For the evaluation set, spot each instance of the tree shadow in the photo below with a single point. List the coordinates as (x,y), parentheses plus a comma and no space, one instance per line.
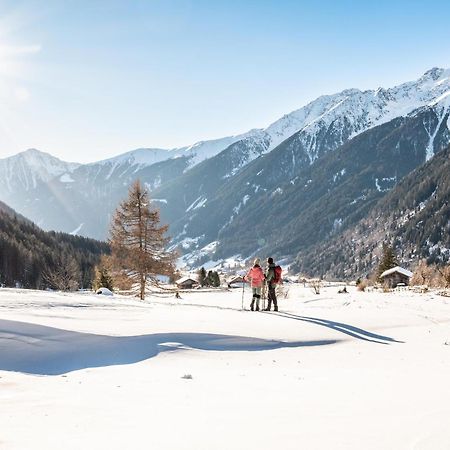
(41,350)
(350,330)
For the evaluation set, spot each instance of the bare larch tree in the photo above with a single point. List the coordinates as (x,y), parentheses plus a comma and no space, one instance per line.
(137,239)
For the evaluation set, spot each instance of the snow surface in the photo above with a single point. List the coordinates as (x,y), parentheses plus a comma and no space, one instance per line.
(66,178)
(103,291)
(331,371)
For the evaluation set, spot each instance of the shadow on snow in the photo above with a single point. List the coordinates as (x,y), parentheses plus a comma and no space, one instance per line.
(350,330)
(42,350)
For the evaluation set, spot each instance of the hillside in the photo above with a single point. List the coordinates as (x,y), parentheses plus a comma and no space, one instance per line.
(414,217)
(27,252)
(315,201)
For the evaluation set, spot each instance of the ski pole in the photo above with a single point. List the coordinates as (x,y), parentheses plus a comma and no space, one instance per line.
(263,296)
(242,300)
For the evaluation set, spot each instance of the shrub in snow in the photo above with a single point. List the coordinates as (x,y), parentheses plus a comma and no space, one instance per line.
(431,275)
(315,285)
(361,286)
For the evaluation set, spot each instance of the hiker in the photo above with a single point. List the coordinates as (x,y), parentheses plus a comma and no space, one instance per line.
(271,280)
(256,277)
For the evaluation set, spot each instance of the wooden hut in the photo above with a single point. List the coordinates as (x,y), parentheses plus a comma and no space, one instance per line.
(236,282)
(186,283)
(395,276)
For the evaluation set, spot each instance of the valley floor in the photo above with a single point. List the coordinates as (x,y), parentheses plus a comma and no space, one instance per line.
(330,371)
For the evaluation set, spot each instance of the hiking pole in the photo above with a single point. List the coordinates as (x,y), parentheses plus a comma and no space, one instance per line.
(263,299)
(242,300)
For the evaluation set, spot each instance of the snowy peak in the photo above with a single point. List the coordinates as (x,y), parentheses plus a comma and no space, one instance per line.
(207,149)
(198,152)
(353,111)
(434,74)
(27,168)
(139,157)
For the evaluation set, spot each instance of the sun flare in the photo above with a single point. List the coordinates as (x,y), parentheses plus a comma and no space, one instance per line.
(13,64)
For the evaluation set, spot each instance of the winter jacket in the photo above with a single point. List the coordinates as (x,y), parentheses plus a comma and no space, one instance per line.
(270,275)
(256,276)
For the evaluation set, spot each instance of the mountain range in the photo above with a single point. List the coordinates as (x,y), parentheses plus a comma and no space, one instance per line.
(284,190)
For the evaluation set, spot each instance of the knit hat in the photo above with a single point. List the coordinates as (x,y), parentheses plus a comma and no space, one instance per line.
(256,262)
(270,260)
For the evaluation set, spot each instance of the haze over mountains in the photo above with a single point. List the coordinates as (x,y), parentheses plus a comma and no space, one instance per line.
(284,190)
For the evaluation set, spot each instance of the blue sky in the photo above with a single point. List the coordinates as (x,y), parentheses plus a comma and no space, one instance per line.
(85,80)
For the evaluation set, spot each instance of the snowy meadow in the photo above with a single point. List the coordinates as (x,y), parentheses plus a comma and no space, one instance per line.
(343,371)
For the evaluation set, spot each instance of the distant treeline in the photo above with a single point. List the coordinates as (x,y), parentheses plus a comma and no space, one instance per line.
(29,255)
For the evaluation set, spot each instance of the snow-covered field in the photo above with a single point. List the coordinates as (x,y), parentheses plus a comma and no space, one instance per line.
(330,371)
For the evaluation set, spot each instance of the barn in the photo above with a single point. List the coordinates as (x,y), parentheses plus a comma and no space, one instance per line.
(395,276)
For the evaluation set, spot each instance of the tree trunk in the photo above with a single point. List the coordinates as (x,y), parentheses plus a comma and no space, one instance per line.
(142,291)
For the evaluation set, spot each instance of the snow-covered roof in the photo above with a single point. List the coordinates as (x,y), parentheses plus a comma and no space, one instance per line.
(397,269)
(184,279)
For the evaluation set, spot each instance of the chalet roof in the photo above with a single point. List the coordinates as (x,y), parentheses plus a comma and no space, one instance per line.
(236,279)
(184,279)
(397,269)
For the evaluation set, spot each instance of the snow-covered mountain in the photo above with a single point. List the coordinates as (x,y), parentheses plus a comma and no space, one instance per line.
(26,169)
(323,126)
(352,111)
(275,208)
(188,181)
(195,154)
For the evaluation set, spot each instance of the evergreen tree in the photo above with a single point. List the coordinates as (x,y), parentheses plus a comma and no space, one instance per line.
(138,241)
(102,279)
(212,279)
(216,279)
(388,260)
(202,277)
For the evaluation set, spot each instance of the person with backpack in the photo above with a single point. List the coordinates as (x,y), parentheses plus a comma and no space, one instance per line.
(273,277)
(256,277)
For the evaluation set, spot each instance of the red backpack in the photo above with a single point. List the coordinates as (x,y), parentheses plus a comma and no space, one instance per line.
(277,278)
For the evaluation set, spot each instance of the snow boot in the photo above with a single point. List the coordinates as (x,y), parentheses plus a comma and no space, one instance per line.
(252,305)
(275,308)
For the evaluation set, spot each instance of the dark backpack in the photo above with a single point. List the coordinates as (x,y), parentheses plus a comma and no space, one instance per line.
(277,275)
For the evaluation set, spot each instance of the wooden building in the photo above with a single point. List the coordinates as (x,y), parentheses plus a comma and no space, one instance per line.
(236,282)
(186,283)
(395,276)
